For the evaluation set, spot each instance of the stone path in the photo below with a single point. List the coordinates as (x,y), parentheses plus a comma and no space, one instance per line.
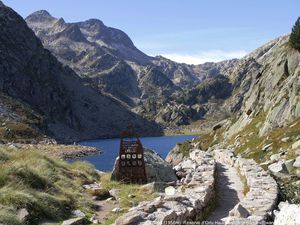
(229,191)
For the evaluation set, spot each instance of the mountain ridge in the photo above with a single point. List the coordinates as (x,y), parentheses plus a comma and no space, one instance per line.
(104,64)
(71,111)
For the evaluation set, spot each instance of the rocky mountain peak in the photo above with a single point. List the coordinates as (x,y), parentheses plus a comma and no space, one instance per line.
(96,30)
(40,15)
(1,4)
(94,22)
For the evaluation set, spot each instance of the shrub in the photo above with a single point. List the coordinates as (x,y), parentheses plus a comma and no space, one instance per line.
(295,36)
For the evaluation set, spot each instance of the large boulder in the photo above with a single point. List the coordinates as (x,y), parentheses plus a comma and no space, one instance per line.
(157,169)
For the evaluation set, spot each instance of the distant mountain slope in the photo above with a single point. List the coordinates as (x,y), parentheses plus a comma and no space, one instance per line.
(109,62)
(70,110)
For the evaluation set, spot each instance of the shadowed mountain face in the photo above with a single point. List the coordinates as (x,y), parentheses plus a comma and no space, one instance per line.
(109,62)
(32,75)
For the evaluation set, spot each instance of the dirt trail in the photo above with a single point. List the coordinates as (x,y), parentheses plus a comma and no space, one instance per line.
(103,209)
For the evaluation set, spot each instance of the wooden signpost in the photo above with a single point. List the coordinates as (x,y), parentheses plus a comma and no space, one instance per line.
(131,164)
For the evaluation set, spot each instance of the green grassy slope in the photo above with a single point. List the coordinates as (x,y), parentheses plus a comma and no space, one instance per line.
(48,188)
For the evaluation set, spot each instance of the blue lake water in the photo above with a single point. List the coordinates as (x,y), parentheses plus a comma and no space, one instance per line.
(110,148)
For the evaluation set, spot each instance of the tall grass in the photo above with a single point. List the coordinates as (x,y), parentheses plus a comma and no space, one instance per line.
(48,188)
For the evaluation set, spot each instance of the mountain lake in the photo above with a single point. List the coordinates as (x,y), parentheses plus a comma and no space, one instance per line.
(110,148)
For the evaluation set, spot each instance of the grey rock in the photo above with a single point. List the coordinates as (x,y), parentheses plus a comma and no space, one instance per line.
(114,192)
(275,157)
(117,210)
(277,167)
(267,147)
(22,215)
(75,221)
(93,186)
(130,218)
(78,213)
(157,169)
(239,211)
(110,199)
(297,152)
(285,139)
(289,165)
(296,144)
(297,162)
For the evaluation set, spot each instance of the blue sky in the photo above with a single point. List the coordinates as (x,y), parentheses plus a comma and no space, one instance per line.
(191,31)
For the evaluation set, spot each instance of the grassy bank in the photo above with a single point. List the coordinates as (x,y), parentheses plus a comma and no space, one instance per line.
(49,189)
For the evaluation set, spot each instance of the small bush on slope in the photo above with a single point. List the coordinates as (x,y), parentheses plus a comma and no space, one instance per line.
(48,188)
(295,36)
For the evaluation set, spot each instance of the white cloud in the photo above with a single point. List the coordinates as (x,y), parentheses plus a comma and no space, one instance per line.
(206,56)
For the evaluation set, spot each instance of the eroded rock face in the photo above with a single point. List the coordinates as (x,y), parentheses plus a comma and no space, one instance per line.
(273,87)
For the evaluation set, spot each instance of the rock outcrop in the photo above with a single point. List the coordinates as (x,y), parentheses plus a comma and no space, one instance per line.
(271,86)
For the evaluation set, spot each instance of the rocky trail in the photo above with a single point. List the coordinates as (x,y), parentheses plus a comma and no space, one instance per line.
(229,192)
(204,178)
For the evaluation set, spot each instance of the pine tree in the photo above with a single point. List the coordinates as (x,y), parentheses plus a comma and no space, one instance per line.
(295,36)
